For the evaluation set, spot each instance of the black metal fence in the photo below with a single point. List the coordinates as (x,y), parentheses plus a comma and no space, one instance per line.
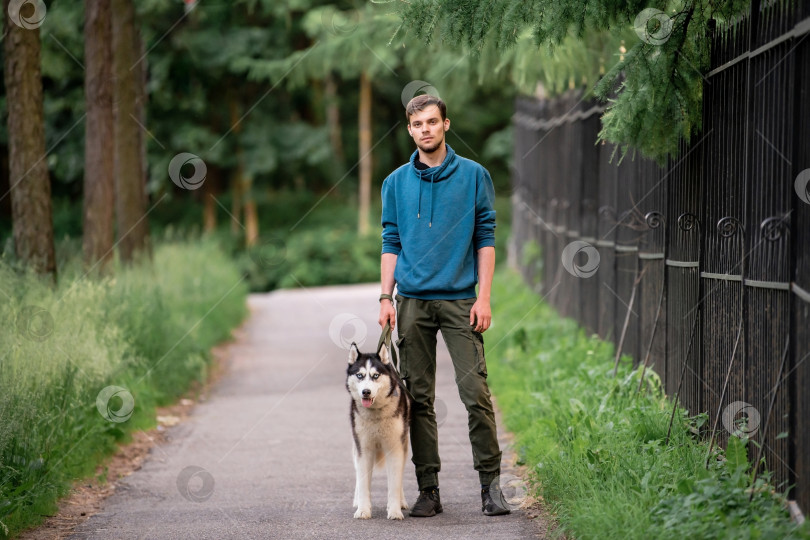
(702,266)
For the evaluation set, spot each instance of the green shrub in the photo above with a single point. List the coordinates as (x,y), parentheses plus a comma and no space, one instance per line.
(326,250)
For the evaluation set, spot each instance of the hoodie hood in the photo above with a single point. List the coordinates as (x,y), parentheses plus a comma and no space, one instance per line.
(432,175)
(438,173)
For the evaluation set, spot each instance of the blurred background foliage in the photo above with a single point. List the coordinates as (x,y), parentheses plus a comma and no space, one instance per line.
(267,94)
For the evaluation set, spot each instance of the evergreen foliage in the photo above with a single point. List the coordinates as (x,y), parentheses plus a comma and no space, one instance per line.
(263,63)
(656,53)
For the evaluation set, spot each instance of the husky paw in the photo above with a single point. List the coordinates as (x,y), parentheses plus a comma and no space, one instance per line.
(395,513)
(404,504)
(362,513)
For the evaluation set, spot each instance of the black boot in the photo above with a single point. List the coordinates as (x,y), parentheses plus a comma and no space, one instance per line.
(428,503)
(493,502)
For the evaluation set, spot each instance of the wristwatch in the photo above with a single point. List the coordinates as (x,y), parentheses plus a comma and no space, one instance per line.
(386,297)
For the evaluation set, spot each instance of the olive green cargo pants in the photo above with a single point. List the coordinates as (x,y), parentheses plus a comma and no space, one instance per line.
(418,322)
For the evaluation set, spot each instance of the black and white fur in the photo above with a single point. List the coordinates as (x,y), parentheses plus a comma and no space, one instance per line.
(380,417)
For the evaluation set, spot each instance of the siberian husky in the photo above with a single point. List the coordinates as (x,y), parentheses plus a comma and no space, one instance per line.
(380,416)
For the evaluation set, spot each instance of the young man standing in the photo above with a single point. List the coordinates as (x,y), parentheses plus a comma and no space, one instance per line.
(438,241)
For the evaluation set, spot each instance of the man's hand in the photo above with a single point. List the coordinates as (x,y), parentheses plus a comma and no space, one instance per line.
(387,314)
(481,315)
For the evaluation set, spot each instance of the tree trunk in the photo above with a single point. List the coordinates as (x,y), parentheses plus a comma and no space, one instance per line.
(141,99)
(5,184)
(130,196)
(210,190)
(99,183)
(251,215)
(237,187)
(28,170)
(245,181)
(364,195)
(237,192)
(333,122)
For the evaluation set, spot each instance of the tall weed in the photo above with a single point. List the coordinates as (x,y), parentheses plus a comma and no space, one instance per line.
(147,330)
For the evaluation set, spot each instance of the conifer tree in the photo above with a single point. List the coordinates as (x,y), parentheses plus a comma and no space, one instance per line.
(339,35)
(131,200)
(654,82)
(99,183)
(30,186)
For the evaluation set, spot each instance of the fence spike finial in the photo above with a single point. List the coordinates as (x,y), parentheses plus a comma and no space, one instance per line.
(687,221)
(774,227)
(654,219)
(729,226)
(607,212)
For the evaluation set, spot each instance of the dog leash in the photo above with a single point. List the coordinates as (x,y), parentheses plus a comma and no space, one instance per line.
(385,339)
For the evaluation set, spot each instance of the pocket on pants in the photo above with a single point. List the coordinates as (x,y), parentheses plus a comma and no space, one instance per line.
(403,359)
(478,341)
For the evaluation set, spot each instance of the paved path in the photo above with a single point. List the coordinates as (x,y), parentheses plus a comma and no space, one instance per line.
(270,451)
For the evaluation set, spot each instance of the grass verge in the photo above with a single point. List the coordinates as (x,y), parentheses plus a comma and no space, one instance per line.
(595,450)
(147,331)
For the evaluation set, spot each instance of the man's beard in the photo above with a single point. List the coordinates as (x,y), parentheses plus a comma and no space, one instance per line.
(430,149)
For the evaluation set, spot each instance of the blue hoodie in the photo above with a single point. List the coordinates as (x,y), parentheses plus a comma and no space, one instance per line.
(435,220)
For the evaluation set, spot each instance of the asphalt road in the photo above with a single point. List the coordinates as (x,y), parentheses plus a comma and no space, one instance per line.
(268,455)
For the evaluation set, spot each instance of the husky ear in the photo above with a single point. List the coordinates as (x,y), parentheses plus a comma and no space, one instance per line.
(353,353)
(384,356)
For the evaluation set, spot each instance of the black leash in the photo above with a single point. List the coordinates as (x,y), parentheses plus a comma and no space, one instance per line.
(385,340)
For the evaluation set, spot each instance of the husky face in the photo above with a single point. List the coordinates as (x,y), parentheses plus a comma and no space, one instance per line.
(369,376)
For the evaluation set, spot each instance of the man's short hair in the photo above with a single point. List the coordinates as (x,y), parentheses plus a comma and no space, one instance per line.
(420,103)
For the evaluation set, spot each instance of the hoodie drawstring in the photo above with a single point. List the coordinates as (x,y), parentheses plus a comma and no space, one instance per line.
(430,199)
(419,199)
(430,205)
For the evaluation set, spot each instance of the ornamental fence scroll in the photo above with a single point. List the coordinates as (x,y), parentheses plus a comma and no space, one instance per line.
(699,269)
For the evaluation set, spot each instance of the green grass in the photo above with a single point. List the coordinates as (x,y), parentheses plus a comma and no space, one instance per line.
(596,451)
(149,330)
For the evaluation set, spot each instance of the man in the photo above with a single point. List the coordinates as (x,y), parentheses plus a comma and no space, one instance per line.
(438,241)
